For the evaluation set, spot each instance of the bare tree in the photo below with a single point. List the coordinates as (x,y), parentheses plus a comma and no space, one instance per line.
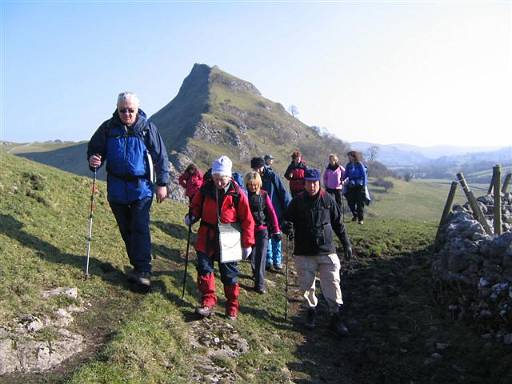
(294,111)
(373,151)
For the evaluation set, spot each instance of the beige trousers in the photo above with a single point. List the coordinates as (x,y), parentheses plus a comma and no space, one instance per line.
(329,269)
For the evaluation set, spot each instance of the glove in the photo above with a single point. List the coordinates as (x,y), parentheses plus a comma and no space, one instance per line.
(287,227)
(189,220)
(246,252)
(277,236)
(348,253)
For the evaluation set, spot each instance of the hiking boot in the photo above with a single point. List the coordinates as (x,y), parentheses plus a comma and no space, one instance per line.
(361,222)
(310,322)
(337,326)
(261,291)
(204,311)
(354,218)
(268,267)
(143,279)
(278,267)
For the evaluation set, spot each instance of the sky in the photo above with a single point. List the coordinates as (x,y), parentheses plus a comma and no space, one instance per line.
(414,72)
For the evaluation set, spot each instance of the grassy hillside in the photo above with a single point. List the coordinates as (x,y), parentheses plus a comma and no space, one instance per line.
(134,338)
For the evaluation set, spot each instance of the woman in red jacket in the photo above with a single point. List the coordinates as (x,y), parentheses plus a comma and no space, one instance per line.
(295,174)
(191,180)
(219,199)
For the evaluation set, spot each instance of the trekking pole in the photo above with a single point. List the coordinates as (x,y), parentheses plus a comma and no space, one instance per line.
(289,251)
(342,209)
(89,236)
(186,258)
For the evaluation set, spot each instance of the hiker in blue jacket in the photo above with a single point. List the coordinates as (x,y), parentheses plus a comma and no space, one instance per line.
(280,197)
(132,148)
(355,185)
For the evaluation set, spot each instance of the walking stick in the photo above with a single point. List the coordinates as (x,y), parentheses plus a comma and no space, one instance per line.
(342,209)
(89,236)
(289,251)
(186,260)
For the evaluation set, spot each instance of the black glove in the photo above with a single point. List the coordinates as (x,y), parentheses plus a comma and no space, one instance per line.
(277,236)
(347,253)
(288,229)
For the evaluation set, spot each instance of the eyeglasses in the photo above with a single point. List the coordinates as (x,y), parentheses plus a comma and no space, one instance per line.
(127,110)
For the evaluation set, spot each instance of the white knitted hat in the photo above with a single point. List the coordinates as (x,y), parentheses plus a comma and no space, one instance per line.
(222,166)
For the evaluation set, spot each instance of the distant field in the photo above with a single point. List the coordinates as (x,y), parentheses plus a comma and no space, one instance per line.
(420,200)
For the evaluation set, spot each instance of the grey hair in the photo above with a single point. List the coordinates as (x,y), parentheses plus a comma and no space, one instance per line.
(124,96)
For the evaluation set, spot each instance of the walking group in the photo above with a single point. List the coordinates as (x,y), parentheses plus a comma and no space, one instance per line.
(257,209)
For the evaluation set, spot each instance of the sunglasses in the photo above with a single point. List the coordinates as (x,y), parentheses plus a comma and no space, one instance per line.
(127,110)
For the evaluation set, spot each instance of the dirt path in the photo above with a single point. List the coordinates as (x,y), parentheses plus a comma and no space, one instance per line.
(398,333)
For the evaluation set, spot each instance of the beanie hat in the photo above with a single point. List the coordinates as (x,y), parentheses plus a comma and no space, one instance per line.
(257,162)
(222,166)
(312,174)
(268,157)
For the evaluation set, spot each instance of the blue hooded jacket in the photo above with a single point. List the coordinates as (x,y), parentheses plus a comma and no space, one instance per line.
(125,151)
(357,174)
(277,192)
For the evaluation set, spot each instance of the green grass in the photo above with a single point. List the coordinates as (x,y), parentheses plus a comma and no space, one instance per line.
(145,338)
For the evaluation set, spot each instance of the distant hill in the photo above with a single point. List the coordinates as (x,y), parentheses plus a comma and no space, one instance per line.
(68,156)
(440,161)
(217,113)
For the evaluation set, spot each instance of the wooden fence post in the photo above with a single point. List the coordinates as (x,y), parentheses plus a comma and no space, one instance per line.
(496,174)
(477,213)
(447,209)
(506,182)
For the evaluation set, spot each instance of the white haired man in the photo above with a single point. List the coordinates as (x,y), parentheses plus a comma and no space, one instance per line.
(131,147)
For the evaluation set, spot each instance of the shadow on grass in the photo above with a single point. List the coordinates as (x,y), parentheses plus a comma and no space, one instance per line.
(13,228)
(394,329)
(174,230)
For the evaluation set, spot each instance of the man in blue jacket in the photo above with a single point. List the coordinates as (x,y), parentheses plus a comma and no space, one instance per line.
(132,149)
(280,197)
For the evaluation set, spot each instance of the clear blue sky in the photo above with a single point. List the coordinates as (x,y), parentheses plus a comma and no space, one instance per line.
(413,72)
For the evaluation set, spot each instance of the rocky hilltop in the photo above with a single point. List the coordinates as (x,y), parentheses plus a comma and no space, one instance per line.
(216,113)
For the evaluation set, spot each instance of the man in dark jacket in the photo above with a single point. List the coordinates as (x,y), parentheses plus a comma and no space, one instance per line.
(280,197)
(132,148)
(312,219)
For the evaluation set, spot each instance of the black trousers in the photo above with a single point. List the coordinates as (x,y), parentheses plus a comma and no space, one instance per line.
(133,222)
(355,200)
(258,258)
(336,193)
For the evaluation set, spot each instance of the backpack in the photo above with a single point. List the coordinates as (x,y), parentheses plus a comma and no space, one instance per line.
(258,204)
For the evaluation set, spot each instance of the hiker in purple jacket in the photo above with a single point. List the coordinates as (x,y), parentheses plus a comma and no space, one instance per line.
(333,178)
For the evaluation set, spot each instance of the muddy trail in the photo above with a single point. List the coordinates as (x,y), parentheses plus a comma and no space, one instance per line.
(399,333)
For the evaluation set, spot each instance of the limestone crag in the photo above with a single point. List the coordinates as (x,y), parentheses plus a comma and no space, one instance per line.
(36,344)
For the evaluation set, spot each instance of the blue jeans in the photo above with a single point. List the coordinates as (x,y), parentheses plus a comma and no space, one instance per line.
(228,271)
(133,222)
(274,252)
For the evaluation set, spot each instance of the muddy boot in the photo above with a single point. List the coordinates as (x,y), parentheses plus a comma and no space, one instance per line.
(336,324)
(310,321)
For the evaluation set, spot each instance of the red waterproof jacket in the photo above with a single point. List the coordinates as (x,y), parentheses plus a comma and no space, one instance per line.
(295,174)
(234,207)
(191,182)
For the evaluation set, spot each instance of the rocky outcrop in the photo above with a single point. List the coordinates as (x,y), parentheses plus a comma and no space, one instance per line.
(222,345)
(38,343)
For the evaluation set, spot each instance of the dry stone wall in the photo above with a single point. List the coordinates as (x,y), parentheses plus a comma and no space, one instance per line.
(472,271)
